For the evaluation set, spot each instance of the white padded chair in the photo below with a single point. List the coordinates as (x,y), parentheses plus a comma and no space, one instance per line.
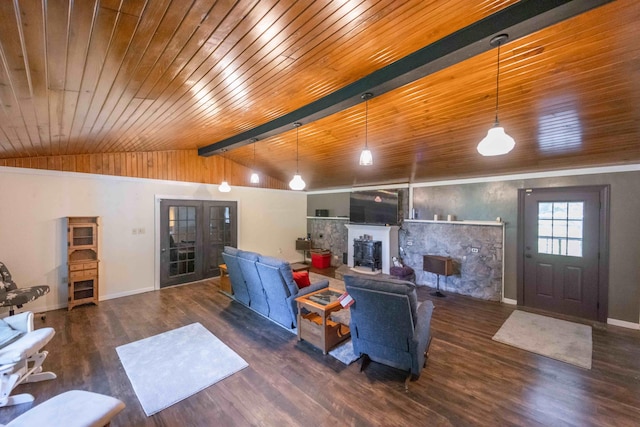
(21,356)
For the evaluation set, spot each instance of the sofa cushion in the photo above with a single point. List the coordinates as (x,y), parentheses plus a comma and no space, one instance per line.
(285,271)
(250,256)
(231,250)
(302,279)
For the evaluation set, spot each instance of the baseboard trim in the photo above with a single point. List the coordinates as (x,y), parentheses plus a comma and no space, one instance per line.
(127,293)
(623,324)
(510,301)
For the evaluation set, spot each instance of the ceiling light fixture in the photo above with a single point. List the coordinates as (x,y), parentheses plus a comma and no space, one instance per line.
(366,158)
(255,178)
(297,183)
(224,187)
(497,142)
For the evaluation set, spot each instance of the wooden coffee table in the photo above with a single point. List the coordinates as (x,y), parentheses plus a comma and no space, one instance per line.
(314,325)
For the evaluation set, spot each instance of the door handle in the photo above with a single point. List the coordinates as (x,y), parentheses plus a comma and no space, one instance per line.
(528,255)
(164,249)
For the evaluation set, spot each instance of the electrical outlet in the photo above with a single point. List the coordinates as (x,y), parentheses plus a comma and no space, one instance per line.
(134,231)
(141,230)
(474,250)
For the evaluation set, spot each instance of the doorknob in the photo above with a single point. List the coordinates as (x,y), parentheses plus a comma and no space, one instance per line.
(164,249)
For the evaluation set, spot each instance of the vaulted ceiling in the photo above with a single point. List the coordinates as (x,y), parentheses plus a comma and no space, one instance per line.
(89,77)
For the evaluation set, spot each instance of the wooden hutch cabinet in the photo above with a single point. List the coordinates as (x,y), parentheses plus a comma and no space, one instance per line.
(82,259)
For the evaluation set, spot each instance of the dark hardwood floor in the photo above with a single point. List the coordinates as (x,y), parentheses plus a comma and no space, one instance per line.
(469,379)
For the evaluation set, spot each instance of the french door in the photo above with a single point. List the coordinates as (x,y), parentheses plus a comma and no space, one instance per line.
(193,236)
(564,247)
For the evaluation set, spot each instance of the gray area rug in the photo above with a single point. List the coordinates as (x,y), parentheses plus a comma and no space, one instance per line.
(344,353)
(167,368)
(558,339)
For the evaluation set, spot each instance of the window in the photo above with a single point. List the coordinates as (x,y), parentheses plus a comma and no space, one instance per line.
(560,228)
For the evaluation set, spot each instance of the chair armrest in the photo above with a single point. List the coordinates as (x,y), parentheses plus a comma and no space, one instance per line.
(313,287)
(422,331)
(22,322)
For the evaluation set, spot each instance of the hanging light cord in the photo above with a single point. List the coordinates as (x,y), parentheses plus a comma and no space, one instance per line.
(366,121)
(498,82)
(254,155)
(297,130)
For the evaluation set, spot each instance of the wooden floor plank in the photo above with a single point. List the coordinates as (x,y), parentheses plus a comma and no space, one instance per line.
(469,379)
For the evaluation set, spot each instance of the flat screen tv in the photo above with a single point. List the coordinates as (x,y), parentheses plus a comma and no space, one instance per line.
(378,207)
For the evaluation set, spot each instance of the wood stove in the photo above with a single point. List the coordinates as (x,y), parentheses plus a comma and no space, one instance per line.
(367,253)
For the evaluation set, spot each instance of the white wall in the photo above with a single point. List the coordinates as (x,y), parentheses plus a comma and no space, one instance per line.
(34,205)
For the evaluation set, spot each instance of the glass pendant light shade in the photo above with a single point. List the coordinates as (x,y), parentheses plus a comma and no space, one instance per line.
(224,187)
(496,143)
(297,183)
(366,158)
(255,178)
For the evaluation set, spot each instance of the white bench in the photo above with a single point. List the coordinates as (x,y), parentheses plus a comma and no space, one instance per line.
(75,408)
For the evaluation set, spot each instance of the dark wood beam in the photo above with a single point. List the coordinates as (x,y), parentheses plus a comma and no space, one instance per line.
(517,20)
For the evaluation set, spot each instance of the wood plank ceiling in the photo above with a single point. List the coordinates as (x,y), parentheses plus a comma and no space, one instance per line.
(122,78)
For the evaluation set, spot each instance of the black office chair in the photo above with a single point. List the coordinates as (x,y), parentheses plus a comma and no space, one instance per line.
(11,295)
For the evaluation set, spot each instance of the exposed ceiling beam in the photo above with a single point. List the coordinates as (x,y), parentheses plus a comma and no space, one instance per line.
(517,20)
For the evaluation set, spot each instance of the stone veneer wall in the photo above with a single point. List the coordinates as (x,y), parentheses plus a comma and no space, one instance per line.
(334,236)
(476,274)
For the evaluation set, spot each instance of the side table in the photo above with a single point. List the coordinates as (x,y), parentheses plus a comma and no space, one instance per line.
(298,266)
(314,325)
(225,283)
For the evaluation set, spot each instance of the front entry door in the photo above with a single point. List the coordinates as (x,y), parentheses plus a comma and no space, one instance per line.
(193,236)
(562,240)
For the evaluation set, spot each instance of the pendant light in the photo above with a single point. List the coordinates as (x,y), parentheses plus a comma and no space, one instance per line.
(366,158)
(224,187)
(255,178)
(297,183)
(497,142)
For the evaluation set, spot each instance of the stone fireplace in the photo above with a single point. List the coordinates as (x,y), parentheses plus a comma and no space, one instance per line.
(388,235)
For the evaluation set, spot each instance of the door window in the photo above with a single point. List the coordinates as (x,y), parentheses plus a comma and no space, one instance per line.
(182,240)
(560,228)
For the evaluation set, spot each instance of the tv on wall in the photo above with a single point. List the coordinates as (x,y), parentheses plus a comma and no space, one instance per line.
(377,207)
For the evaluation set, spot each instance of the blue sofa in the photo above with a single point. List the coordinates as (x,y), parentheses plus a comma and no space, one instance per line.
(265,284)
(387,325)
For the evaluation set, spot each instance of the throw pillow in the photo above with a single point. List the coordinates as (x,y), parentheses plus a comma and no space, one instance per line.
(302,279)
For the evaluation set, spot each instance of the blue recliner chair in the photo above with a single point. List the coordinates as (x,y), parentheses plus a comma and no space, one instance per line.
(387,326)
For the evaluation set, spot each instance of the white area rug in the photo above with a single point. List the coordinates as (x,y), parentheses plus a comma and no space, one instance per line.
(167,368)
(558,339)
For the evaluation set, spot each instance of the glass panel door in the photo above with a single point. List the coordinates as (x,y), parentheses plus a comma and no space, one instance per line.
(194,234)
